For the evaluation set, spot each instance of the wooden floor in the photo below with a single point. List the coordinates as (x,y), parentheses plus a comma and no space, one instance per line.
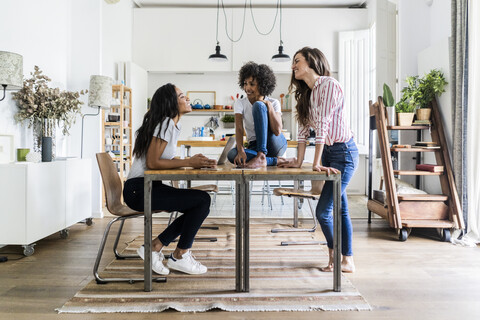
(421,278)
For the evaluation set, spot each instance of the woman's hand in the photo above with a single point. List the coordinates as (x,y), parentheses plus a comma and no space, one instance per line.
(288,163)
(241,158)
(328,170)
(200,161)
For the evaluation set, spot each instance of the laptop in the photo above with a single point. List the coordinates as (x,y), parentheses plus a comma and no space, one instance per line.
(223,156)
(230,144)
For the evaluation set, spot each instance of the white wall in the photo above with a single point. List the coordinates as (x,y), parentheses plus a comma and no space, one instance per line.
(66,39)
(420,28)
(44,46)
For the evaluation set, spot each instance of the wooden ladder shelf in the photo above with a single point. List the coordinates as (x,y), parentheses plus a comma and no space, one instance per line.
(406,211)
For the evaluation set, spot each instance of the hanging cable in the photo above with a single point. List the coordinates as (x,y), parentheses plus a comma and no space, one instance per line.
(274,20)
(281,42)
(243,25)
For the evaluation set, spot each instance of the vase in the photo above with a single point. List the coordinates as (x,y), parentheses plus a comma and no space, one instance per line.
(44,128)
(46,149)
(390,116)
(405,119)
(424,113)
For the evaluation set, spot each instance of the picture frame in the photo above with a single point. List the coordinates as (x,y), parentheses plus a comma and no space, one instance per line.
(7,153)
(207,97)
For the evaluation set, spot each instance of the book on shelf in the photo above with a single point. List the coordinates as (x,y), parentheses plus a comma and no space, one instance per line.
(404,146)
(432,144)
(422,123)
(429,167)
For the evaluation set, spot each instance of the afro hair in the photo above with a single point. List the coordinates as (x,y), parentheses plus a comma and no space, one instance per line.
(264,75)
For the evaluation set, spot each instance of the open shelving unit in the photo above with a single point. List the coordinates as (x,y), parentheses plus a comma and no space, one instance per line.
(117,136)
(406,211)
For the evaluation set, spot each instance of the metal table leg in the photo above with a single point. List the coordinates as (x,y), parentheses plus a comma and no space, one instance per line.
(147,267)
(246,237)
(337,232)
(238,237)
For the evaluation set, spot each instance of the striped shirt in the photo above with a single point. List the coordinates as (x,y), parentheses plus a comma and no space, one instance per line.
(327,114)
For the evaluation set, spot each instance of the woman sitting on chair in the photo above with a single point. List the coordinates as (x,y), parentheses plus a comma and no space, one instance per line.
(262,118)
(155,145)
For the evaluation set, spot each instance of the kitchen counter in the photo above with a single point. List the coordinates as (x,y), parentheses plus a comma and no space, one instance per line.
(218,143)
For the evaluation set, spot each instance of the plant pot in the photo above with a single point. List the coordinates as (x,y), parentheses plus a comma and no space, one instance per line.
(405,119)
(390,115)
(46,149)
(424,113)
(228,125)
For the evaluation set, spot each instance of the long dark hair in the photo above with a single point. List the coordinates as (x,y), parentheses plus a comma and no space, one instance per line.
(318,62)
(264,75)
(164,105)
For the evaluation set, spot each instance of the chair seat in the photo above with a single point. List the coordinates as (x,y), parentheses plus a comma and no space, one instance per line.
(207,188)
(291,192)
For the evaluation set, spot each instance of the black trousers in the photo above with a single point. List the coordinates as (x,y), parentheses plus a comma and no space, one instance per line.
(194,204)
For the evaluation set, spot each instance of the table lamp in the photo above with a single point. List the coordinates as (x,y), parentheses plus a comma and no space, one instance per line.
(11,71)
(99,96)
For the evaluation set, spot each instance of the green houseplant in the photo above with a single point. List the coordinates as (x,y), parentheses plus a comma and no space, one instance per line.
(389,103)
(420,92)
(228,121)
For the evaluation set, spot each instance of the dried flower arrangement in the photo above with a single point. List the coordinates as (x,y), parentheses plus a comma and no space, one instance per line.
(37,102)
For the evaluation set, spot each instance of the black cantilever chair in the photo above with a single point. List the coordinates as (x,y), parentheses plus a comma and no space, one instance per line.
(312,194)
(113,192)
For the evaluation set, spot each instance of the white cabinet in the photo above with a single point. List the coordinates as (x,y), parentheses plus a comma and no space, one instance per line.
(179,40)
(38,199)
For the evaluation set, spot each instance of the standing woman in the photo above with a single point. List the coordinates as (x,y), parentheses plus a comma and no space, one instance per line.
(260,116)
(155,145)
(320,105)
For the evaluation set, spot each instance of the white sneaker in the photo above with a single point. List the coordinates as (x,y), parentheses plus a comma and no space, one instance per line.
(187,264)
(157,261)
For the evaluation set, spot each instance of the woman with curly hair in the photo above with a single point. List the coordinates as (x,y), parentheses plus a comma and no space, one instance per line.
(155,145)
(260,116)
(320,105)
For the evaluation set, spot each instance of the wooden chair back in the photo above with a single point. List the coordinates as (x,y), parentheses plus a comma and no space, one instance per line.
(113,186)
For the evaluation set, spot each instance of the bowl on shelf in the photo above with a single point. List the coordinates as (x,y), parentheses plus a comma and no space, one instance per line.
(218,107)
(113,117)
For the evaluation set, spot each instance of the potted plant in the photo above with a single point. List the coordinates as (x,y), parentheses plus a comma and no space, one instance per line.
(429,86)
(389,103)
(228,121)
(405,113)
(421,91)
(44,108)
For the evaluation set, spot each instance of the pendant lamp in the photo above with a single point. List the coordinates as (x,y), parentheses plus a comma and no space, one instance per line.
(217,56)
(280,56)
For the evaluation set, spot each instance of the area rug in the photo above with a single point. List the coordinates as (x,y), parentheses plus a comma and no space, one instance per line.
(282,278)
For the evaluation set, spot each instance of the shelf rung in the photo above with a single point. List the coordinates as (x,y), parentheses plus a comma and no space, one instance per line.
(427,223)
(422,197)
(414,149)
(408,128)
(416,173)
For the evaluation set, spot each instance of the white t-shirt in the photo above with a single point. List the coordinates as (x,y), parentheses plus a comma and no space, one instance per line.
(244,107)
(170,135)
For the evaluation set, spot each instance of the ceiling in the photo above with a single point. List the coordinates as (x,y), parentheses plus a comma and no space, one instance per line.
(256,3)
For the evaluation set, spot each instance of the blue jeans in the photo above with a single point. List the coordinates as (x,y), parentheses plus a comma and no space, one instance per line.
(344,157)
(271,145)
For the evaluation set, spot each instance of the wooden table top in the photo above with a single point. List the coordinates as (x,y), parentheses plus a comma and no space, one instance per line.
(218,143)
(306,169)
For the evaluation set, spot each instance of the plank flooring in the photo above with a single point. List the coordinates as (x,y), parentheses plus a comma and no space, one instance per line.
(421,278)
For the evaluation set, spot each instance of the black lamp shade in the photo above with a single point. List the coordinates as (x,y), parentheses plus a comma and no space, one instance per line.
(280,56)
(217,56)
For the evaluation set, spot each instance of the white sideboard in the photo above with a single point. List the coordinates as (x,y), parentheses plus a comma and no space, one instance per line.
(39,199)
